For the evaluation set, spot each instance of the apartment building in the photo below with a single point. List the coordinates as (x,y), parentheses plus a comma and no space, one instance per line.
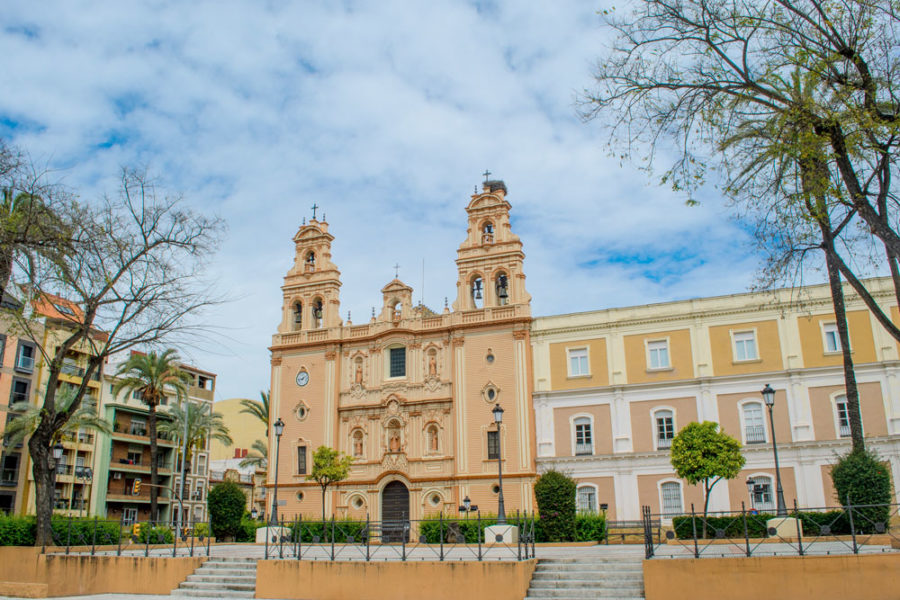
(613,387)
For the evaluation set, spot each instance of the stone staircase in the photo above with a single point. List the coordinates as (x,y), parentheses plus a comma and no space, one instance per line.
(613,577)
(221,577)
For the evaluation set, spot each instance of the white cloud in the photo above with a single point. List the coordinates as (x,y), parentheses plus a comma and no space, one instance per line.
(382,113)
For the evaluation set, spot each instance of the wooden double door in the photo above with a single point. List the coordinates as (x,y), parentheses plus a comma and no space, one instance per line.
(394,512)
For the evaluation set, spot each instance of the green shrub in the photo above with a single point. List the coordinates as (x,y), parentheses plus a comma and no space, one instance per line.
(555,493)
(201,529)
(836,521)
(84,531)
(344,530)
(590,527)
(862,478)
(247,531)
(158,534)
(226,504)
(16,531)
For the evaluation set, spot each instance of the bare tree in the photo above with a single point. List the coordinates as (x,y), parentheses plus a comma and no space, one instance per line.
(135,276)
(795,106)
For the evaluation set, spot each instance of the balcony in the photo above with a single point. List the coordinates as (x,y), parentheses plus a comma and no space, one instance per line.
(844,430)
(142,499)
(663,443)
(129,466)
(9,477)
(24,363)
(755,434)
(61,504)
(64,469)
(583,449)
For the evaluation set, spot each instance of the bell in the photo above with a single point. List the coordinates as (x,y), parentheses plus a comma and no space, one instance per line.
(501,292)
(478,293)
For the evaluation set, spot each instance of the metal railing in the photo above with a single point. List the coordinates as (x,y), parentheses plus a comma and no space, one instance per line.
(848,529)
(755,434)
(439,539)
(583,449)
(122,537)
(663,443)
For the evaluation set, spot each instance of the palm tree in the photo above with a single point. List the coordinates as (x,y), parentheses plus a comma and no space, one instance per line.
(200,423)
(27,416)
(152,375)
(258,408)
(258,458)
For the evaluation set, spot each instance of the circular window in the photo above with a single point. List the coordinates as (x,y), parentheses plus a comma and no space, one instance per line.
(489,358)
(435,499)
(357,502)
(496,489)
(302,411)
(299,495)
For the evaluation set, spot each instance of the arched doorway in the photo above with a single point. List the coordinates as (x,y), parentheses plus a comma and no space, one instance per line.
(394,511)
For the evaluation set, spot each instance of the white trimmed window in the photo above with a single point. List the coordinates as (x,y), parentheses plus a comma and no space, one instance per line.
(745,345)
(842,410)
(754,424)
(658,354)
(586,499)
(665,428)
(584,440)
(762,497)
(832,338)
(578,362)
(670,499)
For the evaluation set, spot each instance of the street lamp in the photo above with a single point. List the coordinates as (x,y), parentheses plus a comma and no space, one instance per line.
(498,419)
(254,513)
(467,507)
(768,395)
(58,449)
(85,474)
(279,429)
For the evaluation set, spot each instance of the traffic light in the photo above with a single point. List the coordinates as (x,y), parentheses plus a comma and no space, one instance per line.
(136,489)
(136,532)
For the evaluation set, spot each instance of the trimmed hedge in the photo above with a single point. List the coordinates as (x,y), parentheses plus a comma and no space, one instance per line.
(159,534)
(555,494)
(20,531)
(17,531)
(588,527)
(815,524)
(861,477)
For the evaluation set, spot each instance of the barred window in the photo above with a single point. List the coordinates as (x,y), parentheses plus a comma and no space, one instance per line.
(754,426)
(587,499)
(671,498)
(583,438)
(398,362)
(665,429)
(301,460)
(493,441)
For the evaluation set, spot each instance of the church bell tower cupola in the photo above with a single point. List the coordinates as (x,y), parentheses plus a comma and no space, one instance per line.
(490,260)
(312,286)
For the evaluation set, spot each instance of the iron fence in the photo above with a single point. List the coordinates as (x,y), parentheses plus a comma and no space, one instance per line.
(96,536)
(848,529)
(437,538)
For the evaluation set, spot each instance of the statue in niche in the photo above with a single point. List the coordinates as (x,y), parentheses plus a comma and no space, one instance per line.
(357,444)
(432,365)
(358,377)
(394,437)
(433,438)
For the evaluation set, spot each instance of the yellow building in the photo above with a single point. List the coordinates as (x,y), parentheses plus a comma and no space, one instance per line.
(410,393)
(613,387)
(243,428)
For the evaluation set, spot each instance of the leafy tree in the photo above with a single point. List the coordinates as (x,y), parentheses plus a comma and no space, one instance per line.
(555,494)
(795,107)
(153,376)
(200,423)
(258,457)
(258,408)
(134,276)
(860,477)
(329,466)
(702,453)
(226,503)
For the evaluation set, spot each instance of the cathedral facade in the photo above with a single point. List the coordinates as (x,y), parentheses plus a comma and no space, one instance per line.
(409,395)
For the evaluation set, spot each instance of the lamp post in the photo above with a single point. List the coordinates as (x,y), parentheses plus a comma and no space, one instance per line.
(501,511)
(254,513)
(279,429)
(57,451)
(467,507)
(768,395)
(85,474)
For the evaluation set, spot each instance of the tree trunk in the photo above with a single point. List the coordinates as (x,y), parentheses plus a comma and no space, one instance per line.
(44,484)
(324,487)
(706,489)
(154,471)
(6,263)
(840,315)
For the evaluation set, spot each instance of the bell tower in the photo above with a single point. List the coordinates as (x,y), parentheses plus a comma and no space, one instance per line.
(490,260)
(312,286)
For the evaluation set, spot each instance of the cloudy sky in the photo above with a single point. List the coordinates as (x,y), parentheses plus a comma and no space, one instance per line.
(383,113)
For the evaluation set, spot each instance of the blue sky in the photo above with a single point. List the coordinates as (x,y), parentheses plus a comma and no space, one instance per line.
(383,113)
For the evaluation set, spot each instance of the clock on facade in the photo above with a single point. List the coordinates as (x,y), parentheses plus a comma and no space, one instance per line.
(302,378)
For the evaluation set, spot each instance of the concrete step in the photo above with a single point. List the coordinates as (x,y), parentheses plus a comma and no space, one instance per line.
(595,560)
(217,578)
(581,594)
(620,597)
(630,569)
(218,594)
(593,585)
(214,571)
(232,559)
(218,586)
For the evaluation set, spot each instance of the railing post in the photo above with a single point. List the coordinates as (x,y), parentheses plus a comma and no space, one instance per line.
(746,531)
(147,538)
(268,522)
(479,535)
(209,533)
(441,534)
(332,537)
(193,527)
(119,540)
(68,534)
(694,527)
(852,525)
(176,532)
(281,538)
(299,524)
(518,537)
(533,535)
(368,535)
(94,537)
(403,535)
(799,528)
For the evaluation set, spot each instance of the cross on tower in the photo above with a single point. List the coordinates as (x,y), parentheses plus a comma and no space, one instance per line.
(486,175)
(314,208)
(396,271)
